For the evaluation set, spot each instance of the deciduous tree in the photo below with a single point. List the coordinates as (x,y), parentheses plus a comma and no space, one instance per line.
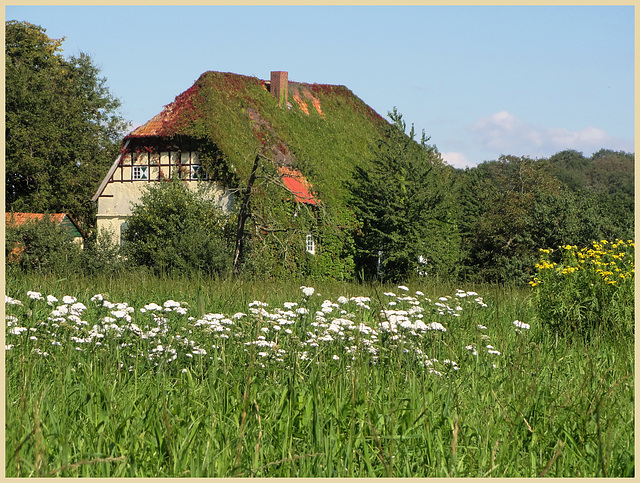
(63,125)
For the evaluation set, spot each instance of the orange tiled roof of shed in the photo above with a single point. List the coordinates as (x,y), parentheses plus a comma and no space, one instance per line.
(63,219)
(18,219)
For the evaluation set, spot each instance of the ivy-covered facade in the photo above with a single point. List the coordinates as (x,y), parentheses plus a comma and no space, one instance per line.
(275,152)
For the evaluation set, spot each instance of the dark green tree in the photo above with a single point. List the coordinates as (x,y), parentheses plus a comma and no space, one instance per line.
(404,201)
(570,167)
(514,207)
(63,126)
(175,228)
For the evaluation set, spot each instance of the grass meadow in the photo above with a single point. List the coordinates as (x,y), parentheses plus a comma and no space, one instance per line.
(138,376)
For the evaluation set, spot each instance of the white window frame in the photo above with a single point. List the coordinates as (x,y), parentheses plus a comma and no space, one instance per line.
(140,173)
(311,244)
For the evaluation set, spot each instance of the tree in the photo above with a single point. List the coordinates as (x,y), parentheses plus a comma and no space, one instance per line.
(175,228)
(405,205)
(62,126)
(517,207)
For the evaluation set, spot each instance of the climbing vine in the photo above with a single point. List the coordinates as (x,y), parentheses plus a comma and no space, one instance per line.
(323,133)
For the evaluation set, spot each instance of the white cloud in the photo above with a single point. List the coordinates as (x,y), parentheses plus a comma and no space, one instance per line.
(457,160)
(503,133)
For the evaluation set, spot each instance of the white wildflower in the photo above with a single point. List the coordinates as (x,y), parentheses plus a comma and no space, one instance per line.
(436,326)
(307,291)
(151,306)
(10,301)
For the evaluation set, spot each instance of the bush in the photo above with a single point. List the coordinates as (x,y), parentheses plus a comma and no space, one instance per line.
(175,228)
(101,255)
(40,245)
(588,289)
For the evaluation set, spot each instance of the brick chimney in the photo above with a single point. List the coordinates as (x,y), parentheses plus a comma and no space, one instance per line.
(279,86)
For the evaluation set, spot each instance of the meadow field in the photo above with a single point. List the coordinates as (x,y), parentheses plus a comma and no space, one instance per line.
(141,376)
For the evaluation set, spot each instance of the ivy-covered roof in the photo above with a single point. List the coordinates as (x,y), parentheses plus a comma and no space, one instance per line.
(323,131)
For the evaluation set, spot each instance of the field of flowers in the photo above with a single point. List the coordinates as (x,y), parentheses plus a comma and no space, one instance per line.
(392,383)
(168,335)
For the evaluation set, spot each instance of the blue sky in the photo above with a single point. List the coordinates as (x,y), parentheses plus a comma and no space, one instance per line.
(480,81)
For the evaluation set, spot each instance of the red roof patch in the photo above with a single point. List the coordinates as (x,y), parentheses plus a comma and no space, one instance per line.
(298,185)
(17,219)
(168,121)
(62,219)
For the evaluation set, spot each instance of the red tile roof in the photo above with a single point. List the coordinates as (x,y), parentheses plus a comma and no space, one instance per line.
(298,185)
(17,219)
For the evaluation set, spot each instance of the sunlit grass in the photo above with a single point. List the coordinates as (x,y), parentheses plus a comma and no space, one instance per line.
(230,378)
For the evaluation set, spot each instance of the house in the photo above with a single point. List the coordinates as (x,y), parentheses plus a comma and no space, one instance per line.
(299,141)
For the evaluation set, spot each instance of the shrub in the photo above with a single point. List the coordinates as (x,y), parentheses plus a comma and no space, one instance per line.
(101,255)
(587,289)
(175,228)
(40,245)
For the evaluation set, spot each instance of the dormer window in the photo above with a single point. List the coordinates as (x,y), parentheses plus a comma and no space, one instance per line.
(197,173)
(140,172)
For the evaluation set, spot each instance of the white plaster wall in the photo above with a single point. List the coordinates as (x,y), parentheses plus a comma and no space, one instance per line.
(118,198)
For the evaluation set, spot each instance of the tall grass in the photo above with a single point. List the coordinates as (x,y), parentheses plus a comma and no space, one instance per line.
(485,398)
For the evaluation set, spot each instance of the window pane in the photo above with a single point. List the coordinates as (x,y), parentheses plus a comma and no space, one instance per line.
(311,246)
(198,173)
(140,172)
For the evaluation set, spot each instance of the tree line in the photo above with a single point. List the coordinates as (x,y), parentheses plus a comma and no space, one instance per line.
(417,216)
